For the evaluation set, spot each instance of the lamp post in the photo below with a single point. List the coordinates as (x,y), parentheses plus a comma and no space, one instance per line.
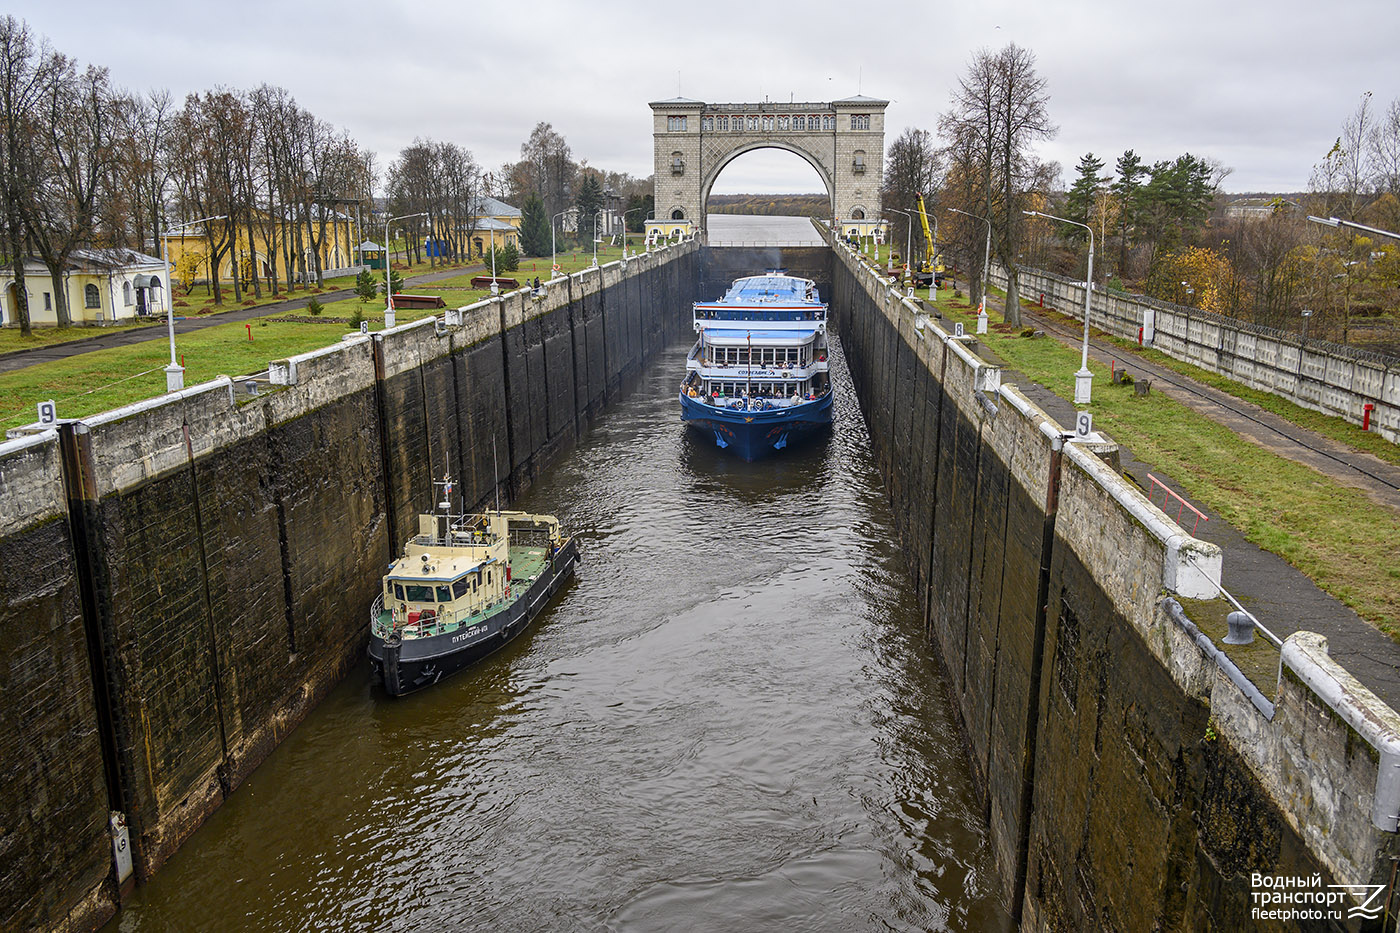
(389,267)
(1307,313)
(624,229)
(908,236)
(1338,222)
(175,373)
(553,255)
(1083,380)
(596,216)
(986,259)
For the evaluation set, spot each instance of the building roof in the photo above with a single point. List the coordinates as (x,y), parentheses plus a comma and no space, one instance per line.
(110,258)
(491,207)
(485,224)
(676,101)
(860,99)
(369,245)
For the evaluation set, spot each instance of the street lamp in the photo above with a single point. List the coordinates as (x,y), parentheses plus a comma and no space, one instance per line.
(624,229)
(175,373)
(389,267)
(553,255)
(597,215)
(908,235)
(1338,222)
(1083,380)
(986,259)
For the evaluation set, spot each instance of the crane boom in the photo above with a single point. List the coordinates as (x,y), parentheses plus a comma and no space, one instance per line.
(930,271)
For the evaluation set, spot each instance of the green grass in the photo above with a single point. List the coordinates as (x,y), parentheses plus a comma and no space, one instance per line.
(1330,426)
(103,379)
(1334,534)
(11,339)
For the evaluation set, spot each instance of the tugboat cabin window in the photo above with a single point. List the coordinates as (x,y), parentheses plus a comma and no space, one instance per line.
(414,593)
(444,594)
(461,587)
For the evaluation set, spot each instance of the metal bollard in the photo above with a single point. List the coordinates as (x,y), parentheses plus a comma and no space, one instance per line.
(1241,628)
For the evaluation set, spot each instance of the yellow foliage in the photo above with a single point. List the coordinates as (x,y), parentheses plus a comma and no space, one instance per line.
(1204,276)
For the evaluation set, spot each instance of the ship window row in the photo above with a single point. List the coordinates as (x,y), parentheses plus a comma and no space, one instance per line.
(442,593)
(740,389)
(762,356)
(767,123)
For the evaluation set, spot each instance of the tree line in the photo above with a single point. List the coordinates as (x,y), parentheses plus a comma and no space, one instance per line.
(1164,226)
(85,164)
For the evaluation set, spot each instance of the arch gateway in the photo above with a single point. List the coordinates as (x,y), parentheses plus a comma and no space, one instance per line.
(844,140)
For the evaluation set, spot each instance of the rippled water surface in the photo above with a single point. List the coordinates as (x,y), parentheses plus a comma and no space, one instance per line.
(728,721)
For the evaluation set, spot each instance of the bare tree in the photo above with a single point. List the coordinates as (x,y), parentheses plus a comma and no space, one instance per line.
(76,151)
(999,110)
(26,73)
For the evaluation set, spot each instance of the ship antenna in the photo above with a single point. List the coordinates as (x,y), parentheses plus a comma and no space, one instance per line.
(496,475)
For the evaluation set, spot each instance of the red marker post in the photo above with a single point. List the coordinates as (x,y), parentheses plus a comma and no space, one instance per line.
(250,332)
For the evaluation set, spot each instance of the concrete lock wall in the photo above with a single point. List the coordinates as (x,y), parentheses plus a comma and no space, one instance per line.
(1316,374)
(184,579)
(1129,780)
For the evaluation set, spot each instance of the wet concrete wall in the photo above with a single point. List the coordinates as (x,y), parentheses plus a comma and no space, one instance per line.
(1129,778)
(184,579)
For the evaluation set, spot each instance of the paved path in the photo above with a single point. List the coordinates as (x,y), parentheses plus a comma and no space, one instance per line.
(19,359)
(1276,592)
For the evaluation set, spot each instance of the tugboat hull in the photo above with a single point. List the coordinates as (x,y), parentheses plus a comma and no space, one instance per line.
(405,665)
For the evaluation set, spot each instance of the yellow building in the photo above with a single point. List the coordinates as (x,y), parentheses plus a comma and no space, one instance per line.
(668,231)
(103,286)
(189,252)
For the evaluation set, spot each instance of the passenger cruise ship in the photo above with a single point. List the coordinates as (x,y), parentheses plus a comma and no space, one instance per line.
(757,379)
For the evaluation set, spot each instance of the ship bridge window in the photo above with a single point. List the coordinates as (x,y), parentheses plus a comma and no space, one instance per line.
(414,593)
(461,587)
(444,594)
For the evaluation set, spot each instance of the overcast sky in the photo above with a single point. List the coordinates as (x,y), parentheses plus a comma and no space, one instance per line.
(1262,87)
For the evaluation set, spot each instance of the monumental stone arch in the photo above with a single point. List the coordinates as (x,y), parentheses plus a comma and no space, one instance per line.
(844,140)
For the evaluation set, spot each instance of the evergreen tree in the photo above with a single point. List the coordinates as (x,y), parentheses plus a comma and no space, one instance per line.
(638,207)
(1128,190)
(534,227)
(1079,202)
(365,285)
(589,202)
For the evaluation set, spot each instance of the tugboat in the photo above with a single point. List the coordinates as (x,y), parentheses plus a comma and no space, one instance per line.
(465,586)
(757,378)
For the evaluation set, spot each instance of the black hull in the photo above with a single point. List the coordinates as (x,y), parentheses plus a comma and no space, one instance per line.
(405,666)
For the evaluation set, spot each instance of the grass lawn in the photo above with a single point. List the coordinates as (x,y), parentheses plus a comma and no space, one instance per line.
(1333,533)
(104,379)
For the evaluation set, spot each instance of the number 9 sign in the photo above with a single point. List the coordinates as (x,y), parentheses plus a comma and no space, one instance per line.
(1083,425)
(48,412)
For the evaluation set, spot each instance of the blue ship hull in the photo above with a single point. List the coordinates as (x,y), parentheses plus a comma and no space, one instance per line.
(754,435)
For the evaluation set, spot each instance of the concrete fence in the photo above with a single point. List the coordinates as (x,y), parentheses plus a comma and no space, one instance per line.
(1325,377)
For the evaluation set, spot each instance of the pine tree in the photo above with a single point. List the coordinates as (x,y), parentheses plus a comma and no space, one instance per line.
(1080,199)
(534,227)
(589,202)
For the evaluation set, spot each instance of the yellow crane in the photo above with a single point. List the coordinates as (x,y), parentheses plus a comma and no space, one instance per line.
(930,271)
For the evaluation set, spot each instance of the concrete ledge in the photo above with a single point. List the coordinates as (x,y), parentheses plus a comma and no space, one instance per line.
(1305,654)
(304,366)
(1191,567)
